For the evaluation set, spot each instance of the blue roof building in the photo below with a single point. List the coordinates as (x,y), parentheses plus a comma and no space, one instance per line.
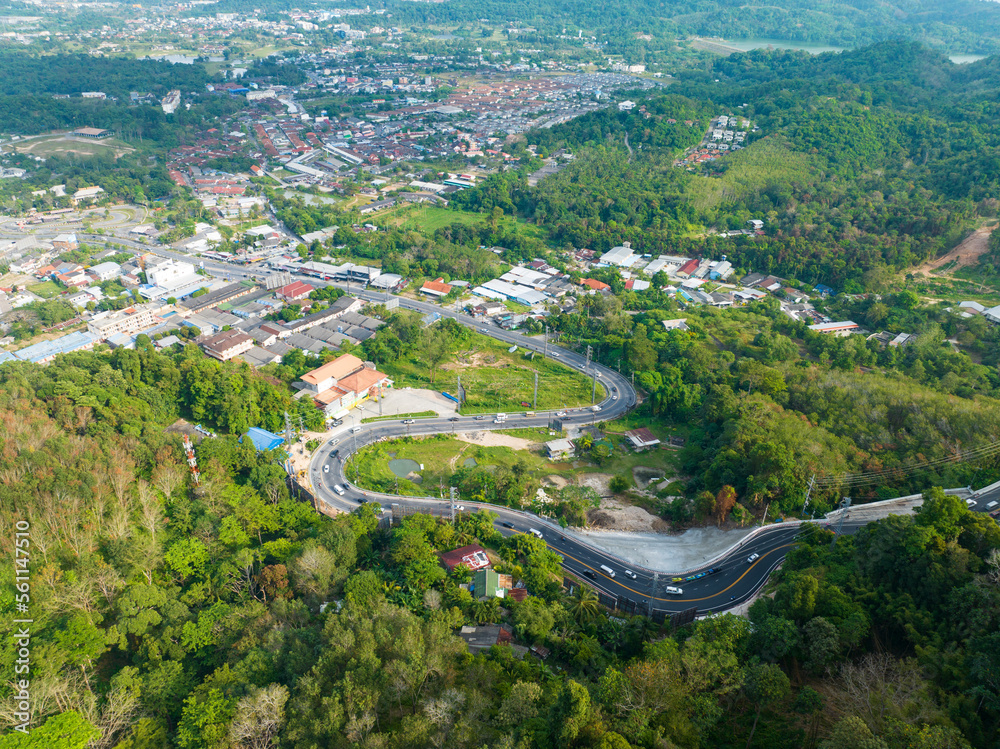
(263,439)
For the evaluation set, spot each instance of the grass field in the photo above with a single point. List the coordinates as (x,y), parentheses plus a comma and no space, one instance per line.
(46,289)
(495,380)
(62,145)
(441,456)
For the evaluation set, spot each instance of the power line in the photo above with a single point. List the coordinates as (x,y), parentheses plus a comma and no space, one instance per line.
(869,477)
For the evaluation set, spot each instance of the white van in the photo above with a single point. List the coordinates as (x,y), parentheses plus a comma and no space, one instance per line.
(535,533)
(992,504)
(339,489)
(607,570)
(673,591)
(355,429)
(501,417)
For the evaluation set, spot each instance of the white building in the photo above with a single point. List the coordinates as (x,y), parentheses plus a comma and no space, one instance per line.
(622,256)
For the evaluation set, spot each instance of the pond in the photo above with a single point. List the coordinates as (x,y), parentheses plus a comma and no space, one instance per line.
(403,467)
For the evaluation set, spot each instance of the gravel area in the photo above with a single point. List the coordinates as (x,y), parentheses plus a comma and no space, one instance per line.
(684,551)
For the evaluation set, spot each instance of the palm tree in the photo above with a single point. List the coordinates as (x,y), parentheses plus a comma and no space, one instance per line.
(583,605)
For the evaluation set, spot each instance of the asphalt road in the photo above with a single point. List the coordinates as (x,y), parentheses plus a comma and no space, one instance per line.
(727,581)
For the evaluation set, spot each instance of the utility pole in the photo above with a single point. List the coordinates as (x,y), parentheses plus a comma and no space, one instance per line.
(458,394)
(845,505)
(808,492)
(589,351)
(535,402)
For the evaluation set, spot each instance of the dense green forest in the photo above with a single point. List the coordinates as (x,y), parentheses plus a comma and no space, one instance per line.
(764,403)
(231,615)
(959,25)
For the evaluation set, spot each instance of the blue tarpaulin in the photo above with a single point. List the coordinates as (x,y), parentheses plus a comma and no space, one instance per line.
(263,439)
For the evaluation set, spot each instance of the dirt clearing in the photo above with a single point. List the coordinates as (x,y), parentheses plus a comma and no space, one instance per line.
(965,254)
(492,439)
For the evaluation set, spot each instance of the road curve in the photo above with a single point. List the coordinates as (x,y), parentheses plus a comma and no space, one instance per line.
(734,581)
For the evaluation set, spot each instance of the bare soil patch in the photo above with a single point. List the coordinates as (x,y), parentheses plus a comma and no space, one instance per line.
(615,516)
(964,254)
(492,439)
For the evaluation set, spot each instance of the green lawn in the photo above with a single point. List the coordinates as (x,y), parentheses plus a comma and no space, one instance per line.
(46,289)
(495,380)
(440,455)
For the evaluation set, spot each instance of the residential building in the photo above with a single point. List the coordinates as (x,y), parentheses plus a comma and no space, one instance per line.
(341,384)
(559,449)
(437,289)
(295,291)
(130,321)
(227,344)
(641,438)
(106,271)
(472,556)
(488,583)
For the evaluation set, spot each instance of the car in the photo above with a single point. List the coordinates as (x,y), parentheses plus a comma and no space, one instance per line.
(339,489)
(335,443)
(338,422)
(561,414)
(482,330)
(409,421)
(753,558)
(677,579)
(971,502)
(614,397)
(363,500)
(700,575)
(326,469)
(555,354)
(598,374)
(689,578)
(595,409)
(591,574)
(505,524)
(670,589)
(713,571)
(631,574)
(460,508)
(995,513)
(480,417)
(335,453)
(453,418)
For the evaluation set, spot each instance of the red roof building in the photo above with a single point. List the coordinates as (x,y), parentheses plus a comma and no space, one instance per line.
(472,556)
(294,291)
(594,284)
(436,288)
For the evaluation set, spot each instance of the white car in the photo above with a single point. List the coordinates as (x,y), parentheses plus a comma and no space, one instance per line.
(753,558)
(326,469)
(631,574)
(970,502)
(673,591)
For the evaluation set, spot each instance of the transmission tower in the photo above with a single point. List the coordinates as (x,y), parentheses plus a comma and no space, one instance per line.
(192,461)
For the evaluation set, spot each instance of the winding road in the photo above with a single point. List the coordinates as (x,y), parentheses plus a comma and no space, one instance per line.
(724,582)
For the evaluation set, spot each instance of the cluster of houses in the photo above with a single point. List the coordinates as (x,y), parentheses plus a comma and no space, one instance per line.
(726,133)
